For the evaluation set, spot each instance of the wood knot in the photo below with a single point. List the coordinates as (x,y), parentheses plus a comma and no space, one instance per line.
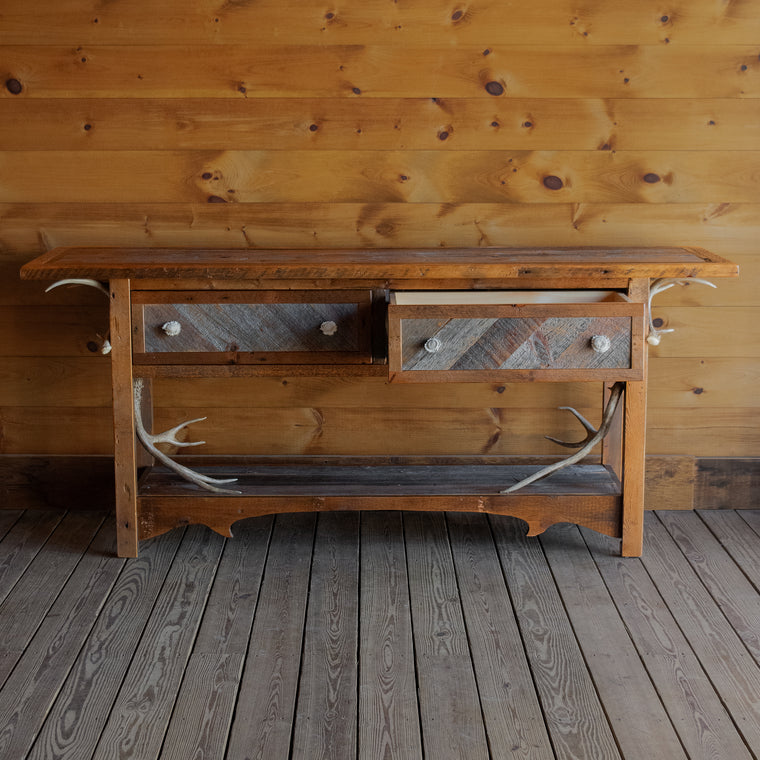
(457,15)
(215,199)
(13,86)
(495,88)
(651,178)
(553,182)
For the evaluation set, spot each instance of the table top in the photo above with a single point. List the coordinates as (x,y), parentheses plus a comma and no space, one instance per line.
(108,263)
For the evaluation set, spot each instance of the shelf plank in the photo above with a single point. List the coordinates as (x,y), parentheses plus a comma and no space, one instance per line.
(588,495)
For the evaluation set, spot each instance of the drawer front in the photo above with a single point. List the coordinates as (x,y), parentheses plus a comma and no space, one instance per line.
(287,328)
(503,342)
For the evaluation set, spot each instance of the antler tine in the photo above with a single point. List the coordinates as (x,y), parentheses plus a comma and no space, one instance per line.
(658,286)
(590,430)
(604,428)
(149,441)
(170,436)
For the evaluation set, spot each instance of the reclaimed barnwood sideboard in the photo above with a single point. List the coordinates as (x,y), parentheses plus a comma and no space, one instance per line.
(430,316)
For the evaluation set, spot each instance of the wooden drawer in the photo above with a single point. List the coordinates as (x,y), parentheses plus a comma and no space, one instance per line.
(251,327)
(441,337)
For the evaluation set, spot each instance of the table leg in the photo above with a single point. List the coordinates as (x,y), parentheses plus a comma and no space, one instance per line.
(125,454)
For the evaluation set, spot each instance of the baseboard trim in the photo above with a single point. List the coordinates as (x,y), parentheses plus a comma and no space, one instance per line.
(86,482)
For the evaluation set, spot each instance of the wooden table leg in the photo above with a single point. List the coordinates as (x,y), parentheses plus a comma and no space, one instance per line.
(125,468)
(634,441)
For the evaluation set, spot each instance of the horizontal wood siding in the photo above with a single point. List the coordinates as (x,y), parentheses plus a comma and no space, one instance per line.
(377,124)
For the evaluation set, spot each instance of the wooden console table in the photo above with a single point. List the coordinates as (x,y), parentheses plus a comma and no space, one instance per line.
(434,316)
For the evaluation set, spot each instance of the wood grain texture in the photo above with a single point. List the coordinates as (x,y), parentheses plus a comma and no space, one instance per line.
(206,701)
(724,228)
(21,543)
(613,660)
(572,709)
(353,71)
(511,711)
(389,724)
(390,176)
(151,268)
(269,684)
(204,87)
(33,228)
(732,671)
(545,22)
(701,720)
(27,605)
(728,586)
(159,661)
(526,123)
(92,685)
(327,710)
(446,682)
(31,688)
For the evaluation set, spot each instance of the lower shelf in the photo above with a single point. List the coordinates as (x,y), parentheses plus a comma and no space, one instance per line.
(587,494)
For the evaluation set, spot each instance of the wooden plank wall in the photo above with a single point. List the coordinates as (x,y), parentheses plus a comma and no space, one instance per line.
(372,123)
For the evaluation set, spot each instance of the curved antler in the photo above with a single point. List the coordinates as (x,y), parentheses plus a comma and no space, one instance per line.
(593,437)
(658,286)
(149,441)
(105,343)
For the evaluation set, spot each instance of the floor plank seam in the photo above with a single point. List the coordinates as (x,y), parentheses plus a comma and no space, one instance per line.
(117,693)
(191,648)
(413,637)
(685,632)
(315,528)
(631,636)
(236,705)
(468,634)
(582,651)
(531,668)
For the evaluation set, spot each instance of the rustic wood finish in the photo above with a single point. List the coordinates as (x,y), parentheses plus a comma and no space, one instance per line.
(373,125)
(501,341)
(359,636)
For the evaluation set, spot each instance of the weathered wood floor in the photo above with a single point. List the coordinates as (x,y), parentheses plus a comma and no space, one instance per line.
(380,636)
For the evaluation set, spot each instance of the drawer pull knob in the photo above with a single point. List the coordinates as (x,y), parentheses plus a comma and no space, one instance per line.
(601,344)
(433,345)
(172,328)
(328,328)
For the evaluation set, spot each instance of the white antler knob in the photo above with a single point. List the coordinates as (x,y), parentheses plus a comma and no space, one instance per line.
(433,345)
(601,344)
(328,328)
(172,328)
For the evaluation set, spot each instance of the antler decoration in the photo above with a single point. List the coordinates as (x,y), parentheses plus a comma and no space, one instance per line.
(593,436)
(105,343)
(658,286)
(170,436)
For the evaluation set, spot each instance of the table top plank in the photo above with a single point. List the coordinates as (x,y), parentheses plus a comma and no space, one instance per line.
(376,265)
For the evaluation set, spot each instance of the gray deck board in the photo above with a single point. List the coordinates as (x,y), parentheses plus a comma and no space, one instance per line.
(573,712)
(731,668)
(511,709)
(325,724)
(74,724)
(389,725)
(151,684)
(618,672)
(381,635)
(695,709)
(450,711)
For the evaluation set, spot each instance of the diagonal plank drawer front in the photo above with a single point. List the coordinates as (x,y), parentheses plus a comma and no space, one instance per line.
(237,327)
(457,342)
